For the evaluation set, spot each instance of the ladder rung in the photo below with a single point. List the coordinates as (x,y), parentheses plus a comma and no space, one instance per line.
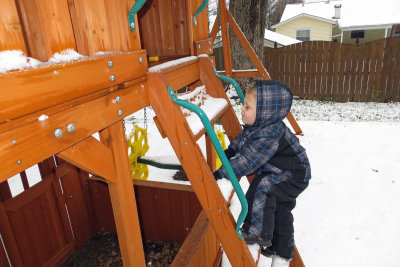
(213,121)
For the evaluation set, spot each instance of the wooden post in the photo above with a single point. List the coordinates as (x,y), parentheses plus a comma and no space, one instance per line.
(123,198)
(226,45)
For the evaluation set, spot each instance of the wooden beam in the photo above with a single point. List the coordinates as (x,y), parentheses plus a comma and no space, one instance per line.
(215,30)
(91,156)
(35,141)
(10,27)
(203,47)
(242,73)
(47,27)
(182,74)
(226,44)
(24,92)
(247,47)
(201,247)
(123,198)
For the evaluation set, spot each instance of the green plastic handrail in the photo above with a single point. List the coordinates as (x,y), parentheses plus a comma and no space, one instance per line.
(225,162)
(198,11)
(135,9)
(233,82)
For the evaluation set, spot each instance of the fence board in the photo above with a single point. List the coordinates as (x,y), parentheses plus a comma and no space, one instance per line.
(324,69)
(378,68)
(302,63)
(330,68)
(395,75)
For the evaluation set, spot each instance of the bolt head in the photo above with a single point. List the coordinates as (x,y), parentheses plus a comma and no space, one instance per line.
(70,127)
(13,142)
(19,161)
(132,25)
(112,77)
(141,60)
(120,112)
(118,99)
(58,133)
(110,63)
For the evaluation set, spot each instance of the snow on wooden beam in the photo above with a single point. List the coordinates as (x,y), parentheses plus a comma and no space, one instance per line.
(27,91)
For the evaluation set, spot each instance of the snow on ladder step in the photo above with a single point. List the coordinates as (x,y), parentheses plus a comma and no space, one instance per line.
(211,106)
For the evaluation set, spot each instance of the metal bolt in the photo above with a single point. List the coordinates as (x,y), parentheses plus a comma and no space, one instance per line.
(71,127)
(169,48)
(70,196)
(120,112)
(199,46)
(13,142)
(110,63)
(19,161)
(141,60)
(209,42)
(132,25)
(210,50)
(58,133)
(112,77)
(219,210)
(118,99)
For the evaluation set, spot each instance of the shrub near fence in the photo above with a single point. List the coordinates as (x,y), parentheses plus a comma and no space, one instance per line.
(322,70)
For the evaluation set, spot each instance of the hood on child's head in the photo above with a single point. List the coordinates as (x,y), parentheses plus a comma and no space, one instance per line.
(274,100)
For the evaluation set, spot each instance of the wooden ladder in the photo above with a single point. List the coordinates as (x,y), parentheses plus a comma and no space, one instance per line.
(173,125)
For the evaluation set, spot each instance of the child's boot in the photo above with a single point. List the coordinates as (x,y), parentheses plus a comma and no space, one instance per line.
(278,261)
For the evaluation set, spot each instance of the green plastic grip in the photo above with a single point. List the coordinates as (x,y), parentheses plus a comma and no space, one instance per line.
(225,162)
(198,11)
(134,10)
(233,82)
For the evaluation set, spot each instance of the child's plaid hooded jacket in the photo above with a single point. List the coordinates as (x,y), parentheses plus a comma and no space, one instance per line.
(268,146)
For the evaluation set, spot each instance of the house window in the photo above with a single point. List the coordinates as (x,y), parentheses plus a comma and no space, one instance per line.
(303,35)
(357,34)
(397,32)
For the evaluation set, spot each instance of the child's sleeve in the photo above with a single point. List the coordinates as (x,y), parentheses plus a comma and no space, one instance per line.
(252,156)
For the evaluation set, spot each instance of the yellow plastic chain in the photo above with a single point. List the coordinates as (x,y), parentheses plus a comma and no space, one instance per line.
(221,138)
(139,146)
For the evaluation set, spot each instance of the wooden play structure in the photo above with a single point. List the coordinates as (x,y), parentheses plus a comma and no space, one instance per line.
(49,114)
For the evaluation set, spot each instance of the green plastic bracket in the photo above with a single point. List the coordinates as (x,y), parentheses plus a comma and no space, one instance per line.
(225,162)
(160,165)
(233,82)
(198,11)
(134,10)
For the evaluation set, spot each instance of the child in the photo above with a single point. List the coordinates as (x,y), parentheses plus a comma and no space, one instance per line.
(267,148)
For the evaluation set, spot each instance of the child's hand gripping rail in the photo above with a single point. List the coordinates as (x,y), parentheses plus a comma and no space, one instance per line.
(210,131)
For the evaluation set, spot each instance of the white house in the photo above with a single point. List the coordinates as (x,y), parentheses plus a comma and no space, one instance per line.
(347,21)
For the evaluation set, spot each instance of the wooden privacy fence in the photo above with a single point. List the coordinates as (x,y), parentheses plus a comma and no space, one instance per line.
(321,70)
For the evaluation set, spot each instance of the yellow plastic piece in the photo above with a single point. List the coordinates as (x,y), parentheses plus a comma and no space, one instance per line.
(139,146)
(154,58)
(221,139)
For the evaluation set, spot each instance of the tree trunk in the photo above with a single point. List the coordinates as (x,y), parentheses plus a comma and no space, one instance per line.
(250,15)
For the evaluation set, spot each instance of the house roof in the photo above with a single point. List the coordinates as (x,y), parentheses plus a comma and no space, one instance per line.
(354,14)
(369,14)
(324,10)
(279,38)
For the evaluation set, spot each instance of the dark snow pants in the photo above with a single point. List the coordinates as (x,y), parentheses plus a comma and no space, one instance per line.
(276,214)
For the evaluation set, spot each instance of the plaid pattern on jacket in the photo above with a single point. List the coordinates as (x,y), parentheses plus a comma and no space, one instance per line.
(268,145)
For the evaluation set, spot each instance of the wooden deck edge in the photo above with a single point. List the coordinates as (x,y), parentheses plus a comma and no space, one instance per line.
(163,185)
(201,247)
